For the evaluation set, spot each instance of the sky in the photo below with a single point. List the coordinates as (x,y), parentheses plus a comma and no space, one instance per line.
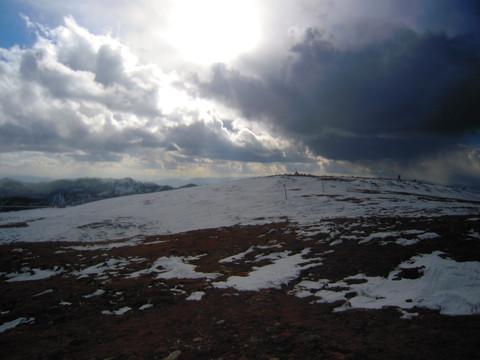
(238,88)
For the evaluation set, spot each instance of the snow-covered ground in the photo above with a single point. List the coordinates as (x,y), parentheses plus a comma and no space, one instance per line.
(442,284)
(251,201)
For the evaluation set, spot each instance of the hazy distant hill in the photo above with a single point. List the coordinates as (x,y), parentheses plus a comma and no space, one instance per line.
(15,194)
(177,182)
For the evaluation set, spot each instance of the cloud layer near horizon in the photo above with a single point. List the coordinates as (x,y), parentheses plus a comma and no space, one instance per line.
(346,90)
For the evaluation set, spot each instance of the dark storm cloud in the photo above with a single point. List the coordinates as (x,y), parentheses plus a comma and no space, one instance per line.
(452,16)
(406,95)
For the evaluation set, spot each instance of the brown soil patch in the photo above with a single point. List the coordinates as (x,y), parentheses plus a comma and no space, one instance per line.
(14,225)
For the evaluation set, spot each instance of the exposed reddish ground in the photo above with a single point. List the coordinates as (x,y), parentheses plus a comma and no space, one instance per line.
(225,323)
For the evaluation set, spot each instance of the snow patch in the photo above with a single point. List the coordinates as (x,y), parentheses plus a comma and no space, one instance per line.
(28,274)
(237,257)
(196,296)
(451,287)
(174,267)
(48,291)
(101,269)
(336,242)
(121,311)
(407,315)
(378,235)
(284,269)
(97,292)
(14,323)
(473,234)
(428,235)
(406,242)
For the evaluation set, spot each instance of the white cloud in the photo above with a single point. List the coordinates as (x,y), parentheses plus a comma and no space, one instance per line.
(76,98)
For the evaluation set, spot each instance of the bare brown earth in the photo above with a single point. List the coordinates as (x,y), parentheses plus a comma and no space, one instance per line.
(226,323)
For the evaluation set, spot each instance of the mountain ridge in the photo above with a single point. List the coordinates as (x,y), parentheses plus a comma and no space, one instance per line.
(15,194)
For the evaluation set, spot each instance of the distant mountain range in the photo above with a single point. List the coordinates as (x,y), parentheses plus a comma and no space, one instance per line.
(17,195)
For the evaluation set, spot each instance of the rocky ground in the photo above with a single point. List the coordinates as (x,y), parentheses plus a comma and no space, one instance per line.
(110,300)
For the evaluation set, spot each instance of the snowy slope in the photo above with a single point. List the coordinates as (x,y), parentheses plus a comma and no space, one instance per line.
(251,201)
(329,216)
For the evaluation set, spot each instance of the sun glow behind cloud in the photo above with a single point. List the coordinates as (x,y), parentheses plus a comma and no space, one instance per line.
(213,30)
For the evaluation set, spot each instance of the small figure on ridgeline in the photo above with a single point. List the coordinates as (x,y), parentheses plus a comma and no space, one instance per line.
(399,178)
